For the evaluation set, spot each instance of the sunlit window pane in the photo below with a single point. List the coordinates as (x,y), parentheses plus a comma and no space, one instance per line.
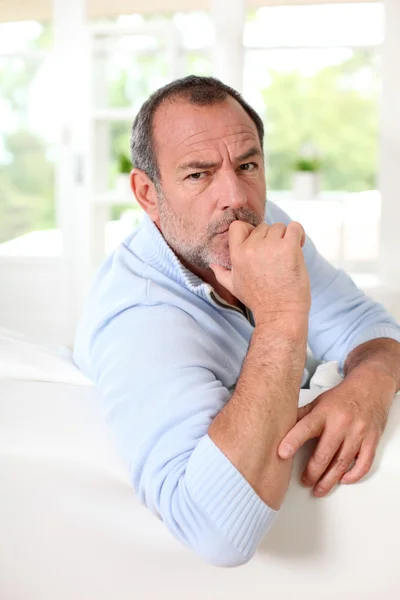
(26,137)
(327,98)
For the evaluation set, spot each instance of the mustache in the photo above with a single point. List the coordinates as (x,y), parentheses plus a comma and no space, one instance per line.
(242,214)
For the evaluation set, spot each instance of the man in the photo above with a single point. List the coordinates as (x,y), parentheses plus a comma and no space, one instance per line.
(197,327)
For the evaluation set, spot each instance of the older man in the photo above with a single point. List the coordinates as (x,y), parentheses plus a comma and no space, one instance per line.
(197,327)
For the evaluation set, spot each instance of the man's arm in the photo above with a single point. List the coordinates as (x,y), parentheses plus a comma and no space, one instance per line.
(263,409)
(269,276)
(342,317)
(348,327)
(162,381)
(380,357)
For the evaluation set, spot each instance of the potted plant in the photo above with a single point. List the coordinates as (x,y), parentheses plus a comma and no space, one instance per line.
(123,186)
(307,174)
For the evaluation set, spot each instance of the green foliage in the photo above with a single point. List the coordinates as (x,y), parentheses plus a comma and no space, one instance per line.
(328,110)
(124,164)
(310,165)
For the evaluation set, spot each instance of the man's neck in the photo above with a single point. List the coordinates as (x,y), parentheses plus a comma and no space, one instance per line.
(208,276)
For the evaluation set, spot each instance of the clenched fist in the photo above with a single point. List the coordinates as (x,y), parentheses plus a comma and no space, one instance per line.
(268,272)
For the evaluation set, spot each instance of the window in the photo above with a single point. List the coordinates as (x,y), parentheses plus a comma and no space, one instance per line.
(127,69)
(314,75)
(27,135)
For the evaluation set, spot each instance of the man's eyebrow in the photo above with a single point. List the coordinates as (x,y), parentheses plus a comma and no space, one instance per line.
(254,151)
(201,164)
(196,164)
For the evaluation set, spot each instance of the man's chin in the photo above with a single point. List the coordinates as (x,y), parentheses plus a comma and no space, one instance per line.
(224,262)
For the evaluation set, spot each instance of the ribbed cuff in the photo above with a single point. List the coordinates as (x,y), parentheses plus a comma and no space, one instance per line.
(227,498)
(373,333)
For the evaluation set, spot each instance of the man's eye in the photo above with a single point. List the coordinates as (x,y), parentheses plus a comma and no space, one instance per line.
(196,176)
(248,167)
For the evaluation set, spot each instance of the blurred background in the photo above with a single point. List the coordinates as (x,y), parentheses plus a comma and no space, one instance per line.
(324,77)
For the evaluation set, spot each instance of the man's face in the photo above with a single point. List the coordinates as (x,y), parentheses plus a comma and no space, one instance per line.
(212,173)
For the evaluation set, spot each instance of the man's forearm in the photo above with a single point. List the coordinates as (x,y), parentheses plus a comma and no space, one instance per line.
(263,409)
(377,358)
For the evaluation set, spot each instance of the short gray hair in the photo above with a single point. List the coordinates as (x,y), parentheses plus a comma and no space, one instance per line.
(197,90)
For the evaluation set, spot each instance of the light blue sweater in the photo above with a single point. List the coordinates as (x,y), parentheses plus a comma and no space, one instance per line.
(165,354)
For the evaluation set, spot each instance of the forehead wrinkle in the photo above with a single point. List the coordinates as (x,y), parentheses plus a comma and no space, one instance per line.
(207,145)
(241,130)
(192,155)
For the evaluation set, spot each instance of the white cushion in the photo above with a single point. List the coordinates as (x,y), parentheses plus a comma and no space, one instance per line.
(25,359)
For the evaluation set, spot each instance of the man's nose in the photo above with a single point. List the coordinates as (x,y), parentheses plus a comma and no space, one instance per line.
(231,193)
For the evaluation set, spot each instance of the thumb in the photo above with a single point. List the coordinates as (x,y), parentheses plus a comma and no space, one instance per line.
(223,276)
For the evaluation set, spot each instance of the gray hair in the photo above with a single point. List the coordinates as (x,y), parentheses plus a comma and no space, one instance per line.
(197,90)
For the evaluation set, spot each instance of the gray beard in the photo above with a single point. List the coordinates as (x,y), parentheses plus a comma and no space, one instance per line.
(191,250)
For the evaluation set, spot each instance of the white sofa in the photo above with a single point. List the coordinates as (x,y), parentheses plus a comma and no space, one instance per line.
(72,529)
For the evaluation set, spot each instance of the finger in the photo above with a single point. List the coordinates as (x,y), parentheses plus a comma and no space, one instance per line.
(295,233)
(223,276)
(364,462)
(327,447)
(260,231)
(277,231)
(303,411)
(338,466)
(308,428)
(239,231)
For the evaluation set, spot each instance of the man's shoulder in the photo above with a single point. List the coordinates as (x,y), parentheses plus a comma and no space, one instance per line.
(128,287)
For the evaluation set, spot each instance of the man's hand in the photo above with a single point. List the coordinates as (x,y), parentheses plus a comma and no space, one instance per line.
(268,272)
(349,421)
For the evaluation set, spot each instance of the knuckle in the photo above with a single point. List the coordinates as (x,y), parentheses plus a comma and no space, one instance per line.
(368,463)
(380,414)
(361,428)
(342,463)
(364,468)
(321,458)
(343,419)
(262,227)
(310,424)
(361,473)
(380,425)
(251,252)
(278,227)
(375,437)
(296,225)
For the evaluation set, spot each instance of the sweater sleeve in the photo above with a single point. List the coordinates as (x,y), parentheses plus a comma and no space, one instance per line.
(159,380)
(341,317)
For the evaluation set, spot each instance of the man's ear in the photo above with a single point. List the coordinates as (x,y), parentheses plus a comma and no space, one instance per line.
(145,193)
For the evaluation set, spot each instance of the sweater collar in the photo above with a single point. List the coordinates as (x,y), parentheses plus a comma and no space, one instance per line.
(157,253)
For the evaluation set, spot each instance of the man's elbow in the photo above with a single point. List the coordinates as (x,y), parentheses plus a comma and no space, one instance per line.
(218,552)
(208,506)
(209,538)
